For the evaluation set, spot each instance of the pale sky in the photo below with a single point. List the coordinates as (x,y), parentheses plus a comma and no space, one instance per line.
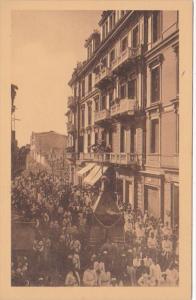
(46,46)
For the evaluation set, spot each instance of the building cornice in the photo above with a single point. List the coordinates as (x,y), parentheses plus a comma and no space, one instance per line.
(104,44)
(162,44)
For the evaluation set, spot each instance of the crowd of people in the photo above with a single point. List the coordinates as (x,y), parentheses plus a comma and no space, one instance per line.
(61,254)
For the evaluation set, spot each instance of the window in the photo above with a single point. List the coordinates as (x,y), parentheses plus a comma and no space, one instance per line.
(177,70)
(103,32)
(177,133)
(124,44)
(103,138)
(111,22)
(152,201)
(90,50)
(155,84)
(135,37)
(111,92)
(156,26)
(97,104)
(132,88)
(82,117)
(104,62)
(132,139)
(81,144)
(89,114)
(114,18)
(89,141)
(96,138)
(103,102)
(174,204)
(122,13)
(90,82)
(83,87)
(106,28)
(122,90)
(112,56)
(75,91)
(111,137)
(154,136)
(122,139)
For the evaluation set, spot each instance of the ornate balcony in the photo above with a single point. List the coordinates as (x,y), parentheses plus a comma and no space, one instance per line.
(71,102)
(102,116)
(103,76)
(71,128)
(86,156)
(124,106)
(127,55)
(113,158)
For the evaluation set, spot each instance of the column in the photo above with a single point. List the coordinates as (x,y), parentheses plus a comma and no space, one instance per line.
(148,86)
(124,190)
(139,76)
(149,32)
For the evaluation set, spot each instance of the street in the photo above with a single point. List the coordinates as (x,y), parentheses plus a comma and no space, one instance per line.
(57,240)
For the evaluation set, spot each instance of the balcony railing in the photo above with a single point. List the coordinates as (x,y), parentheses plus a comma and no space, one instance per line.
(114,158)
(71,102)
(70,127)
(124,106)
(103,74)
(128,53)
(102,115)
(86,156)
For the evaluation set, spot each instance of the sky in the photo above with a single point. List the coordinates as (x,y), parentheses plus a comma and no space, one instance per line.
(46,45)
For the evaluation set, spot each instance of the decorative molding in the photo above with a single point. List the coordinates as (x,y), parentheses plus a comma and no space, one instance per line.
(157,60)
(176,48)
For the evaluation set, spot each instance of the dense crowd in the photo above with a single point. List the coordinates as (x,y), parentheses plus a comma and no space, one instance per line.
(61,254)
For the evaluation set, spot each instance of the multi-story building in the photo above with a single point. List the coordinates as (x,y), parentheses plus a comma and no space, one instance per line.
(126,95)
(48,150)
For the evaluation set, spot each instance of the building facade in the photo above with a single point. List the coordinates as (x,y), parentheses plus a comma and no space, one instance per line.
(125,96)
(47,149)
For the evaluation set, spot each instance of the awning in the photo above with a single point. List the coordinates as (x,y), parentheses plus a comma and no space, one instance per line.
(92,173)
(84,170)
(95,175)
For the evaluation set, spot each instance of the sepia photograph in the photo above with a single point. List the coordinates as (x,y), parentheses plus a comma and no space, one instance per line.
(96,150)
(95,194)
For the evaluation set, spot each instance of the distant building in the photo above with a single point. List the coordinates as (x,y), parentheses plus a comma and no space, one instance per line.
(48,149)
(125,96)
